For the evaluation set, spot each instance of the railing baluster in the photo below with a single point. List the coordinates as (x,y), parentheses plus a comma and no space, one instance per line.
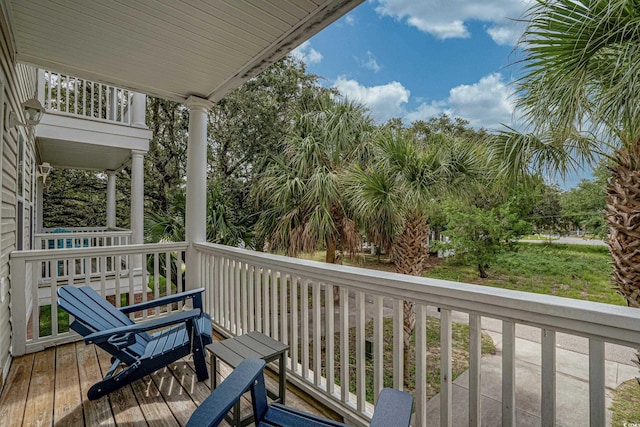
(237,298)
(156,279)
(398,344)
(100,86)
(344,344)
(475,358)
(548,404)
(258,293)
(329,338)
(508,373)
(378,346)
(251,291)
(54,306)
(101,262)
(317,331)
(49,78)
(266,324)
(304,300)
(58,90)
(244,307)
(293,352)
(284,309)
(274,303)
(446,386)
(421,365)
(597,407)
(118,268)
(360,352)
(225,293)
(84,97)
(75,95)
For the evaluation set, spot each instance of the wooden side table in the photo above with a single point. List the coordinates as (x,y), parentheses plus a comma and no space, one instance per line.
(255,345)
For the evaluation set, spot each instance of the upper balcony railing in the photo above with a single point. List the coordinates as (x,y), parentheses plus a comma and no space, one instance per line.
(79,237)
(67,94)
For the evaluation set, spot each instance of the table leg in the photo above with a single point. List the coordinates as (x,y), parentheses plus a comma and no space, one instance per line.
(282,380)
(214,374)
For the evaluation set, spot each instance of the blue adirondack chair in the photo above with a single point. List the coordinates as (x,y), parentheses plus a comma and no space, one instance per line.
(129,343)
(392,409)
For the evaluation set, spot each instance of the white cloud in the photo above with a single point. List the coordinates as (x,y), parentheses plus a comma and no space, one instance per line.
(306,53)
(425,111)
(446,18)
(485,104)
(384,101)
(350,20)
(506,34)
(370,62)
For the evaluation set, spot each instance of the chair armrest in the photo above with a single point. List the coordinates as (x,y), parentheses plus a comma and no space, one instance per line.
(120,335)
(212,411)
(392,409)
(161,301)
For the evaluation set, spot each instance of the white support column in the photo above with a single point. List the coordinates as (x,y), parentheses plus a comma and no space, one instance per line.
(196,203)
(137,196)
(111,198)
(138,113)
(39,205)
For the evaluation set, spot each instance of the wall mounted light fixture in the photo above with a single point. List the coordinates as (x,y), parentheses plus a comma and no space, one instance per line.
(44,170)
(33,112)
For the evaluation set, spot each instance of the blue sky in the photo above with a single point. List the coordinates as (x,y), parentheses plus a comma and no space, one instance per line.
(416,59)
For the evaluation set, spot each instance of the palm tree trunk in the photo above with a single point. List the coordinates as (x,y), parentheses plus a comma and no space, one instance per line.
(623,215)
(410,251)
(330,257)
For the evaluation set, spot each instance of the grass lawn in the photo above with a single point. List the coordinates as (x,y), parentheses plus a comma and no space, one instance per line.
(572,271)
(460,359)
(626,404)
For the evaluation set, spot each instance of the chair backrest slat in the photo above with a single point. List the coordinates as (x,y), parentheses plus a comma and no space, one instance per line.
(94,314)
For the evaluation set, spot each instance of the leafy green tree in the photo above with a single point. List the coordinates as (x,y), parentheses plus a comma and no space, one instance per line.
(478,235)
(165,162)
(579,95)
(301,188)
(391,196)
(546,213)
(247,126)
(77,198)
(584,205)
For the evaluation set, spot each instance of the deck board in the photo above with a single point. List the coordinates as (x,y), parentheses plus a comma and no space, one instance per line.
(50,388)
(39,408)
(68,397)
(96,412)
(14,395)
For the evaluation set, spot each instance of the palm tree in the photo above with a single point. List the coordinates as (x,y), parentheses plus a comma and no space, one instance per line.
(302,188)
(580,97)
(392,197)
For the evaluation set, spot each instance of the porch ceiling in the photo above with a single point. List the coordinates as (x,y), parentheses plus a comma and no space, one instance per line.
(166,48)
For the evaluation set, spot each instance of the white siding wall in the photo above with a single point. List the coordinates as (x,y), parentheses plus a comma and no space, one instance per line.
(18,83)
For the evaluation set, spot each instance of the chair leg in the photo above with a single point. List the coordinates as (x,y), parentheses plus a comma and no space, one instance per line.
(113,382)
(199,359)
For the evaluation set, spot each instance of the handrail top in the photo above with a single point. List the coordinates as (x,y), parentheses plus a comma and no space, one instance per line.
(66,253)
(82,234)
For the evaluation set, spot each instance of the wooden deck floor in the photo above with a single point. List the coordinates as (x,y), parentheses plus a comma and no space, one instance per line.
(50,387)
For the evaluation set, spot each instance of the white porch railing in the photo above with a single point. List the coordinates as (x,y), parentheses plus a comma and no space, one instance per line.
(36,276)
(288,299)
(81,237)
(71,95)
